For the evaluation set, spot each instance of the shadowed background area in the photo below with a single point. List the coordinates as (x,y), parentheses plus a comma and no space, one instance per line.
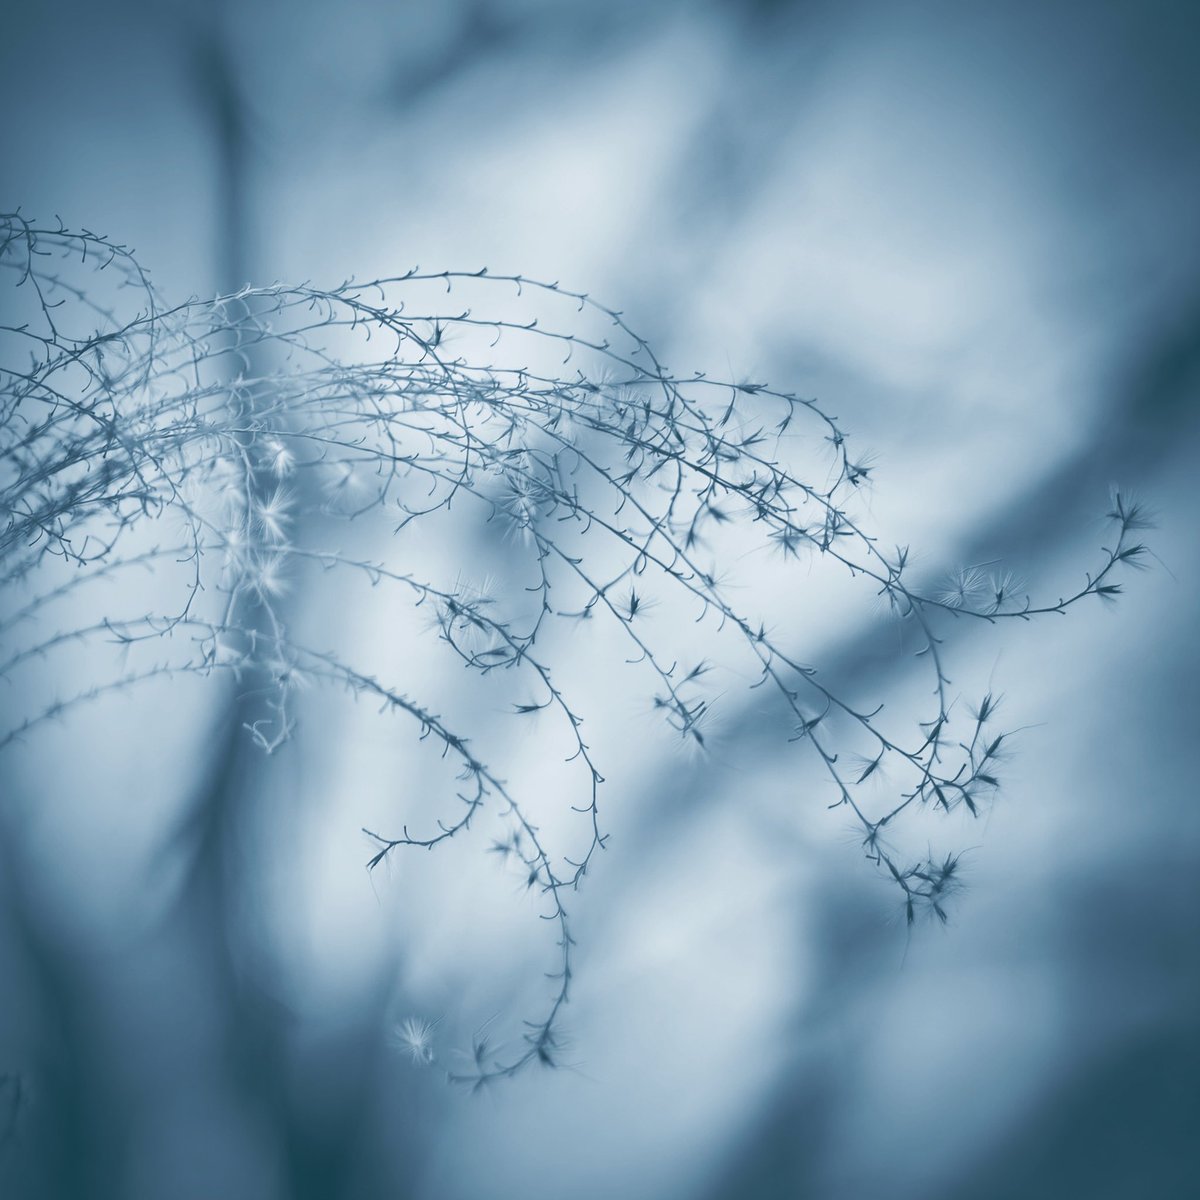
(971,231)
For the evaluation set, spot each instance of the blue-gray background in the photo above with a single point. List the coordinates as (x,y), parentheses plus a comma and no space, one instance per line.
(971,230)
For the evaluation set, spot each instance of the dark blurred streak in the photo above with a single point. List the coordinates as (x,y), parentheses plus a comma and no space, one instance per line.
(1123,1122)
(1124,1125)
(316,1106)
(63,1110)
(12,1101)
(483,31)
(214,925)
(224,100)
(486,32)
(780,1157)
(739,142)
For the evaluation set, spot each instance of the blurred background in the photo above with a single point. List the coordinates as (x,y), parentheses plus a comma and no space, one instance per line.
(971,231)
